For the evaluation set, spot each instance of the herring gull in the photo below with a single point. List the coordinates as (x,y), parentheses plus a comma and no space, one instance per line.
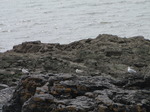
(132,71)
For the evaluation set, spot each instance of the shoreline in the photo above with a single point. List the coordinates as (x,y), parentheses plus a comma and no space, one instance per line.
(6,49)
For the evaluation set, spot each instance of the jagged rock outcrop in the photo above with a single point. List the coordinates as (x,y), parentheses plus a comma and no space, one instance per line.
(72,93)
(106,54)
(100,58)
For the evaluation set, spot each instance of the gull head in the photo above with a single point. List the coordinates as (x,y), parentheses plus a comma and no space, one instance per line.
(129,68)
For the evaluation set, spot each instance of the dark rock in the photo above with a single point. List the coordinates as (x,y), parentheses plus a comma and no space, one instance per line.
(64,92)
(27,47)
(39,103)
(105,54)
(5,95)
(25,90)
(139,64)
(103,86)
(113,53)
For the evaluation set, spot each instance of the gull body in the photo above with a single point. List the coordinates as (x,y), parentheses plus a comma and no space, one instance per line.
(25,71)
(131,70)
(79,71)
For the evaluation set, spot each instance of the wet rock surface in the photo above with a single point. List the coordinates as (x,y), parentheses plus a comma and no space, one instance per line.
(104,85)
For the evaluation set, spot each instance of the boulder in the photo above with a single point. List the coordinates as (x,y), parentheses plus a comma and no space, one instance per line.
(73,93)
(5,95)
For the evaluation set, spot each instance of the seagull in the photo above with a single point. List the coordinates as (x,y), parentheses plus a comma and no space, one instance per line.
(79,71)
(25,71)
(131,71)
(132,78)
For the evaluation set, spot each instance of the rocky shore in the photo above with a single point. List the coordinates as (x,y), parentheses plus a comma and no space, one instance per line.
(51,82)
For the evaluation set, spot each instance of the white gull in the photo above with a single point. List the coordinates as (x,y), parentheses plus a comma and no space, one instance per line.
(25,71)
(79,71)
(132,71)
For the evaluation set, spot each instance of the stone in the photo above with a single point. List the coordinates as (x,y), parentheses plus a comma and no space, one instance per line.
(64,92)
(5,95)
(3,86)
(105,84)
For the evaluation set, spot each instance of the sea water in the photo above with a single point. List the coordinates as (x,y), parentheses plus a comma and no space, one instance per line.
(65,21)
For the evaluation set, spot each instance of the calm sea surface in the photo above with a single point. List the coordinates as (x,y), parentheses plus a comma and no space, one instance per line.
(64,21)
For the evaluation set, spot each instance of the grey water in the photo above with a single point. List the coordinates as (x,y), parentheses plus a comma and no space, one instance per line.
(65,21)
